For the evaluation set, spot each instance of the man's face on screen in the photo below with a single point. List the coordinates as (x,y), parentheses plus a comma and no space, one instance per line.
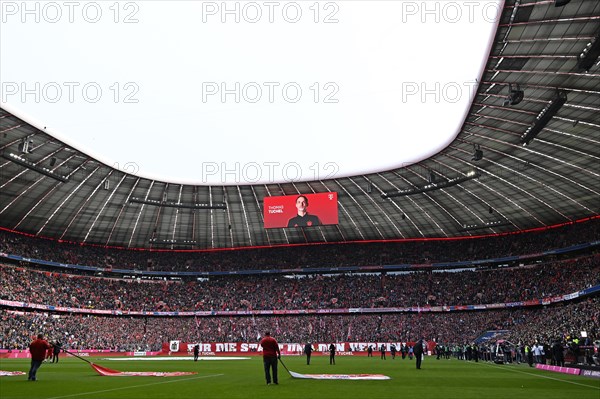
(301,204)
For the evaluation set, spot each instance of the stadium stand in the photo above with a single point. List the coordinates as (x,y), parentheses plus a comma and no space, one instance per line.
(534,279)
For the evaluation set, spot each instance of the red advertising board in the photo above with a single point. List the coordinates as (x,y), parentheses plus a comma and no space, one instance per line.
(246,348)
(304,210)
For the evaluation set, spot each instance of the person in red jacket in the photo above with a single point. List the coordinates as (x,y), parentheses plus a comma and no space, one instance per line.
(49,353)
(270,355)
(38,350)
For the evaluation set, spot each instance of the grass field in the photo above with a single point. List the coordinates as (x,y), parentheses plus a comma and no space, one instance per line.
(73,378)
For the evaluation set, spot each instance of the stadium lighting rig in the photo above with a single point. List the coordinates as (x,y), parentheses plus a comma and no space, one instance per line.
(172,204)
(158,241)
(544,117)
(477,153)
(26,146)
(30,165)
(561,3)
(589,55)
(432,186)
(515,96)
(487,225)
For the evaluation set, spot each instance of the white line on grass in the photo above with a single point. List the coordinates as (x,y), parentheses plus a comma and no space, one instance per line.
(135,386)
(542,376)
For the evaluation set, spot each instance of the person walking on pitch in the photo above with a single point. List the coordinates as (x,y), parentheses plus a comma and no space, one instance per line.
(270,355)
(38,349)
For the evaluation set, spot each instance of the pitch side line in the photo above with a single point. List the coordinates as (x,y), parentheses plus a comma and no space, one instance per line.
(135,386)
(544,376)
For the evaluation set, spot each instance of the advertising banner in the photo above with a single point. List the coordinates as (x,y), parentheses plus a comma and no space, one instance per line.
(319,348)
(304,210)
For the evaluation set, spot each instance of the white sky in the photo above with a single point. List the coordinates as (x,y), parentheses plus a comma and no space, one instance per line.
(138,84)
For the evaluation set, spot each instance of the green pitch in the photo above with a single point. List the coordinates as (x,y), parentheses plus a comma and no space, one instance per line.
(73,378)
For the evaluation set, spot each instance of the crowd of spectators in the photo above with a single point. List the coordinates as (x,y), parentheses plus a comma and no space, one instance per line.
(303,256)
(265,292)
(547,326)
(257,292)
(493,286)
(129,333)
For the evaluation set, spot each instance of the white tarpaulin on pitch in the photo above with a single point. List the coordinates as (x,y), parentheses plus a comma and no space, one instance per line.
(4,373)
(340,376)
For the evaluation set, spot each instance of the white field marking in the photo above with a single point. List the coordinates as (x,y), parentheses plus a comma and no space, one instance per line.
(161,358)
(135,386)
(544,376)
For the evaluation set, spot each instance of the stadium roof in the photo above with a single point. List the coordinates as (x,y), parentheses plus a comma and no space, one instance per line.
(254,102)
(52,190)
